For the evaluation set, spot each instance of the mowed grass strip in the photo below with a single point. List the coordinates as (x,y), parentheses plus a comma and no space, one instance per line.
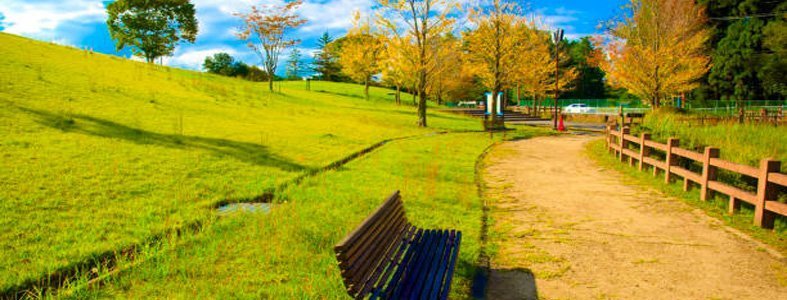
(100,153)
(288,254)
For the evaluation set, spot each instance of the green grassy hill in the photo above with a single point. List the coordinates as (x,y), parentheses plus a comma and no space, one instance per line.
(100,153)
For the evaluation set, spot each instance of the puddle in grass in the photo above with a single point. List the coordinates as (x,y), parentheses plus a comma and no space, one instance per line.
(258,208)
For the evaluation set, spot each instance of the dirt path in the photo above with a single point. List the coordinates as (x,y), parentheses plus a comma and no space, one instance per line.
(584,234)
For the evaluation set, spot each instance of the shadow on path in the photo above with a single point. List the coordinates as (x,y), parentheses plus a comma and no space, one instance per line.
(512,284)
(247,152)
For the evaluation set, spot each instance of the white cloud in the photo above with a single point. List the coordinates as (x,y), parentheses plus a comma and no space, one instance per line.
(40,18)
(321,15)
(193,59)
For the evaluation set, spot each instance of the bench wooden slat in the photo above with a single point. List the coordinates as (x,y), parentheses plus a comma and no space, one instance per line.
(355,234)
(386,257)
(429,262)
(412,269)
(439,278)
(418,270)
(351,255)
(384,217)
(362,270)
(414,247)
(457,241)
(377,281)
(430,281)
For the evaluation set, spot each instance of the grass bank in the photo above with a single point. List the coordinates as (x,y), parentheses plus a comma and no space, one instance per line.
(740,143)
(288,253)
(100,153)
(716,207)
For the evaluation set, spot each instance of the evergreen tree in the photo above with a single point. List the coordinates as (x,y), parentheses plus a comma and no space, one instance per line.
(735,61)
(590,78)
(773,73)
(295,65)
(326,60)
(740,63)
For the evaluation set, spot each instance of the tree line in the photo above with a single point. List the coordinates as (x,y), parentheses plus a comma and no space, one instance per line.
(657,51)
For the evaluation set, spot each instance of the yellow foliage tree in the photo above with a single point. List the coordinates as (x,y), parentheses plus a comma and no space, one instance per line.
(658,51)
(361,52)
(447,67)
(536,66)
(423,22)
(496,45)
(398,63)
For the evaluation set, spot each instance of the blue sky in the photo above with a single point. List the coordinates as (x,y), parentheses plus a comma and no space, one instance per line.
(81,23)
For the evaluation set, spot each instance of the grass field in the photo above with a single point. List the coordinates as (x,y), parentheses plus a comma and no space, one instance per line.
(100,153)
(288,254)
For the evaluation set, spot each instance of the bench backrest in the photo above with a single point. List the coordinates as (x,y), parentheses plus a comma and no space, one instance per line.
(366,253)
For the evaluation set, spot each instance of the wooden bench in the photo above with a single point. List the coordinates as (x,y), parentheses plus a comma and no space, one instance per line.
(388,258)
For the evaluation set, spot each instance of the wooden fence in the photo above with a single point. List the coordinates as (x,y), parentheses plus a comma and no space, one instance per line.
(763,116)
(769,179)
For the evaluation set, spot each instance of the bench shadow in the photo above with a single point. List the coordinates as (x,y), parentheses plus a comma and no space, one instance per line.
(247,152)
(518,283)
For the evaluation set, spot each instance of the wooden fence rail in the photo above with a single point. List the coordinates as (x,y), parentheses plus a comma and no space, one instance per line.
(769,179)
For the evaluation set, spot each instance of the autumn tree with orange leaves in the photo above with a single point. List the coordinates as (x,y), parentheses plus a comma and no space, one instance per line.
(265,29)
(657,52)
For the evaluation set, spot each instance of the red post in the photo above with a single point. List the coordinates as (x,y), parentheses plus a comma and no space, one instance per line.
(708,171)
(765,192)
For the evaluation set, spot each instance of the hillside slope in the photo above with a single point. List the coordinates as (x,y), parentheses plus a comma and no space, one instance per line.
(100,152)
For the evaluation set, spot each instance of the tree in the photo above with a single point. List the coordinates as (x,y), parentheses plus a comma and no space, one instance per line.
(447,68)
(659,51)
(361,52)
(741,61)
(265,30)
(774,63)
(151,28)
(222,64)
(397,64)
(590,78)
(425,22)
(295,65)
(495,45)
(326,61)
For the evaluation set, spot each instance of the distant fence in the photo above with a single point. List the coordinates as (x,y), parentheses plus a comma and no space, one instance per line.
(768,176)
(767,115)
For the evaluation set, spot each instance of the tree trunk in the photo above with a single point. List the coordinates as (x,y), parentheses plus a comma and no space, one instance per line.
(414,94)
(366,89)
(270,83)
(398,95)
(422,99)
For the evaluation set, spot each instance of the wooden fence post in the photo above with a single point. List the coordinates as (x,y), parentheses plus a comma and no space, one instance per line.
(708,171)
(671,158)
(643,150)
(623,143)
(765,192)
(733,206)
(609,138)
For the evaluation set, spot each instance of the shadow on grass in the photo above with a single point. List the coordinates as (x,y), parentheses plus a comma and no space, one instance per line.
(247,152)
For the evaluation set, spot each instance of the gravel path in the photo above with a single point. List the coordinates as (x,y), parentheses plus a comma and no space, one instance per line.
(569,229)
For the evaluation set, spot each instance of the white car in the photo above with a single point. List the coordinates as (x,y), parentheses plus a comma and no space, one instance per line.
(577,108)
